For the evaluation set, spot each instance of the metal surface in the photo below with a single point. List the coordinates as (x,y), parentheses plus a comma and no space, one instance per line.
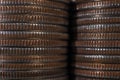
(97,40)
(33,39)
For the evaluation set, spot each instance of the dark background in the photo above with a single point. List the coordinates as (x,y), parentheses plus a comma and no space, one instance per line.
(72,36)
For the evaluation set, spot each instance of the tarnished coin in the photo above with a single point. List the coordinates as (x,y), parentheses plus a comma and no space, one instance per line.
(98,43)
(97,66)
(32,27)
(97,4)
(98,51)
(98,58)
(32,66)
(98,36)
(32,59)
(8,51)
(99,74)
(32,35)
(32,43)
(99,28)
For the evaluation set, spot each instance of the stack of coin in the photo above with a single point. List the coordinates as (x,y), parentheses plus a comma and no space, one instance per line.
(98,40)
(33,39)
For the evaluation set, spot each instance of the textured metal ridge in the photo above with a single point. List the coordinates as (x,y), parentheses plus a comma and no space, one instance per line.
(45,3)
(105,12)
(32,66)
(98,58)
(32,27)
(98,66)
(98,20)
(32,35)
(25,74)
(98,4)
(32,51)
(28,9)
(98,43)
(33,43)
(97,28)
(32,59)
(99,74)
(99,51)
(98,36)
(33,19)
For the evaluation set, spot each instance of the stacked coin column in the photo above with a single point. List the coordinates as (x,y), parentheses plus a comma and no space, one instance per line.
(98,40)
(33,39)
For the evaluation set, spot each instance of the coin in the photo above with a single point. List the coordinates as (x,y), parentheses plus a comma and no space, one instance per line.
(99,28)
(99,74)
(98,4)
(98,43)
(32,35)
(98,58)
(32,26)
(33,19)
(45,3)
(31,66)
(33,43)
(29,9)
(98,51)
(26,74)
(98,66)
(32,59)
(103,12)
(98,20)
(32,51)
(88,78)
(98,36)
